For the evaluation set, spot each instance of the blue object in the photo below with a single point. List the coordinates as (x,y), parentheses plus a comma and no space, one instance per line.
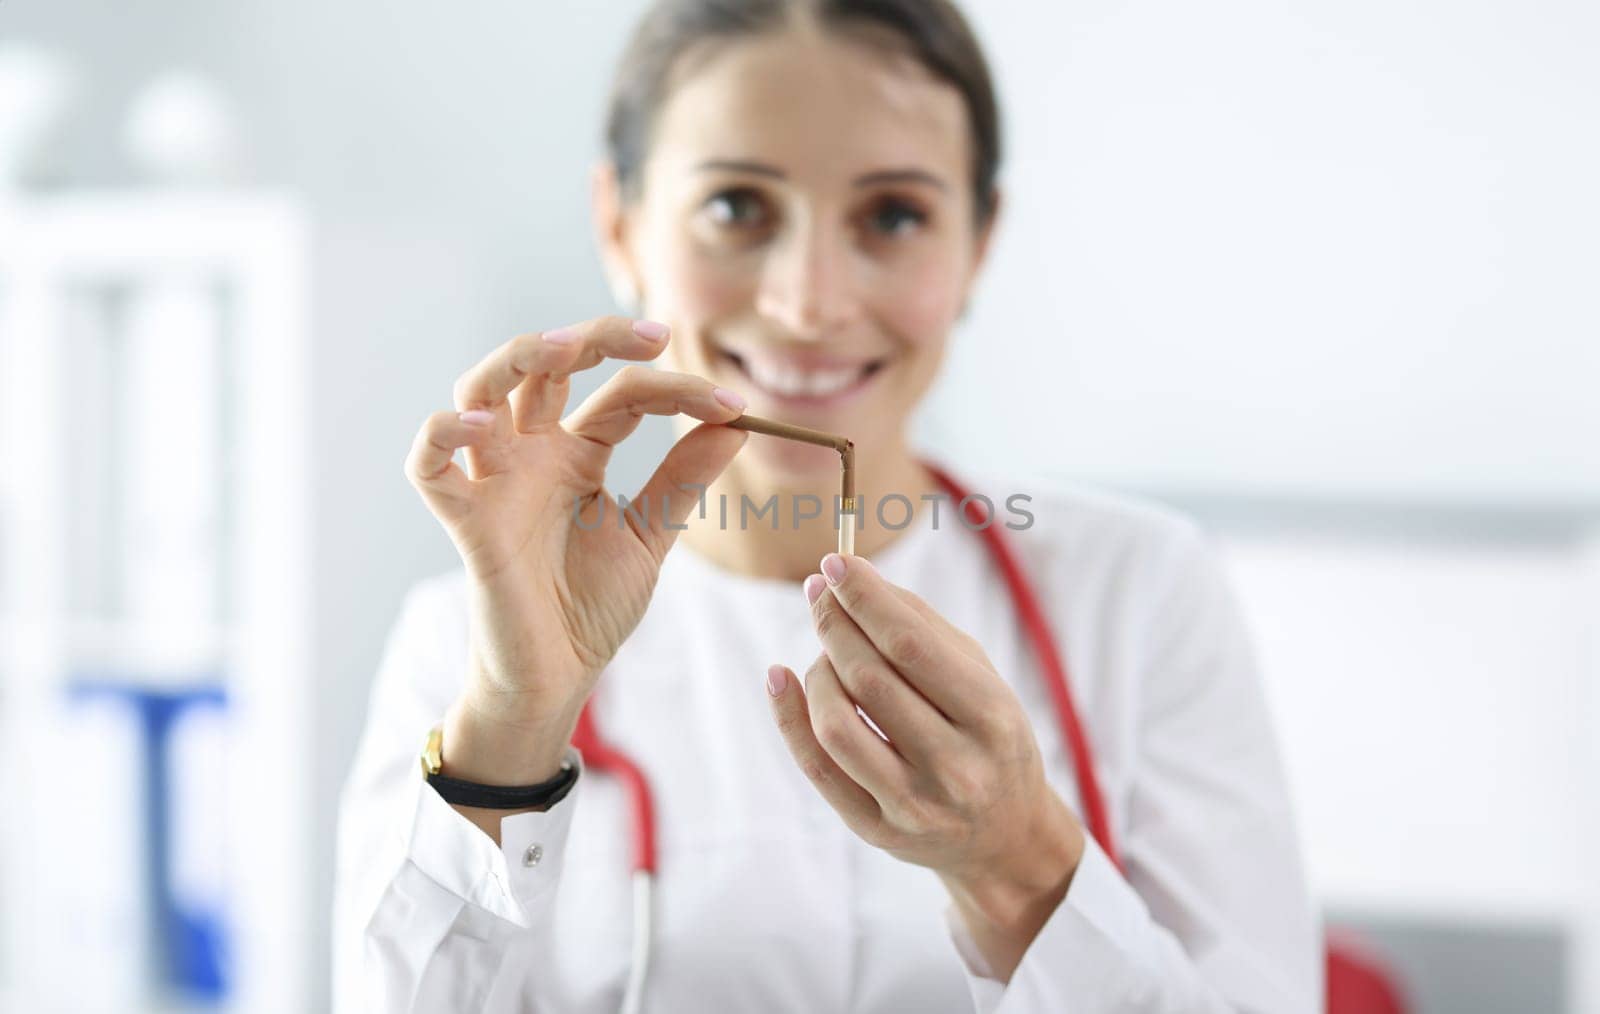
(189,947)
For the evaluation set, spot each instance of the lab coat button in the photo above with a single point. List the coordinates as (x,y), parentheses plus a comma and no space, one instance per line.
(534,853)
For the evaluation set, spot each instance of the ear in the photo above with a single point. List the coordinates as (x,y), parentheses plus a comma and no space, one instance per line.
(611,225)
(980,250)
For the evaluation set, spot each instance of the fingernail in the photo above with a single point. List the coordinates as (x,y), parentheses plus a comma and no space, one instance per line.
(562,335)
(732,399)
(813,587)
(650,329)
(477,417)
(777,679)
(833,568)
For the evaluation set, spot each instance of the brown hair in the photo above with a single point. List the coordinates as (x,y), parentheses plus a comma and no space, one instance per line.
(934,32)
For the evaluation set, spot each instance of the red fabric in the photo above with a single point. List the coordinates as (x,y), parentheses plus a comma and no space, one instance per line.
(1358,983)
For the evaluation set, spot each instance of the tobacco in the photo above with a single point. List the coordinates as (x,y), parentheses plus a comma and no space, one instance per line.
(847,464)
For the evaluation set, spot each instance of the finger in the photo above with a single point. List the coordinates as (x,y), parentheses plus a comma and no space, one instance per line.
(860,811)
(542,398)
(531,363)
(492,379)
(929,659)
(859,751)
(964,640)
(492,455)
(679,483)
(429,465)
(915,728)
(614,411)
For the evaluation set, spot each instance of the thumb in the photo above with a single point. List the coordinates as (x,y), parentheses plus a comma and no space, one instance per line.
(678,485)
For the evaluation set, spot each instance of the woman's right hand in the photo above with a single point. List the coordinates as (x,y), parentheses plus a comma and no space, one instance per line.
(552,599)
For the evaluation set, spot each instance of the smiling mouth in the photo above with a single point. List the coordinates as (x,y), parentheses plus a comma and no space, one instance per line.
(791,382)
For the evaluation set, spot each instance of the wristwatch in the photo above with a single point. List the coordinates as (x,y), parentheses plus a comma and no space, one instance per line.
(496,797)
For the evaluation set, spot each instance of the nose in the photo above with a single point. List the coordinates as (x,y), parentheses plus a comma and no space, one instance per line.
(807,285)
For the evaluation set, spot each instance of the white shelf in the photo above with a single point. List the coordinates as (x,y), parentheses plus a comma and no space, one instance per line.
(252,246)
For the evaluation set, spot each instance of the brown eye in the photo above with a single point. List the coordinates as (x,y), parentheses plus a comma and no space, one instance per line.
(737,208)
(892,216)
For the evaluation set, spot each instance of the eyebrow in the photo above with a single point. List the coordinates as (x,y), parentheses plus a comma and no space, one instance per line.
(879,176)
(740,166)
(901,176)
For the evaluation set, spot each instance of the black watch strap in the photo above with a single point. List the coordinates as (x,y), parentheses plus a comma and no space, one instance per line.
(507,797)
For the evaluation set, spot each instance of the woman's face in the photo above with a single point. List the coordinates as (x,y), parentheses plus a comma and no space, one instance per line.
(806,225)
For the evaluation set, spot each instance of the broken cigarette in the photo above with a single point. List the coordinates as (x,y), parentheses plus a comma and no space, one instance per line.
(847,464)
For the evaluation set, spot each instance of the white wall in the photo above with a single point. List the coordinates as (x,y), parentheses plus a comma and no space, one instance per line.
(1331,248)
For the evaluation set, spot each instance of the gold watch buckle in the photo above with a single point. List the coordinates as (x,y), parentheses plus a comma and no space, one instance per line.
(433,751)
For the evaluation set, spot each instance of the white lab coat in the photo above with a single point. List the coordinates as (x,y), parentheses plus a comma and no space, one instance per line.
(765,901)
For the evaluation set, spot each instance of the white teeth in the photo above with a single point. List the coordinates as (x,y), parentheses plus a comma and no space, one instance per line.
(788,381)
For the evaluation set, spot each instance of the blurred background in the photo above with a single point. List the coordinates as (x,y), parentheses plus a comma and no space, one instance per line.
(1323,275)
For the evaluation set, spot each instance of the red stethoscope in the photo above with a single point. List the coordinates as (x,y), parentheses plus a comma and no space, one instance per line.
(601,756)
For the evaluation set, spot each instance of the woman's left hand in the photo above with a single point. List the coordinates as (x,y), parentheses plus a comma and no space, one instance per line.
(955,782)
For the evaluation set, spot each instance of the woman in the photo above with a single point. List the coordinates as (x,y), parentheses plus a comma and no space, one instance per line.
(802,194)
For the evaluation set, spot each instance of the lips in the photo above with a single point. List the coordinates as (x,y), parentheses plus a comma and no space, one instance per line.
(810,380)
